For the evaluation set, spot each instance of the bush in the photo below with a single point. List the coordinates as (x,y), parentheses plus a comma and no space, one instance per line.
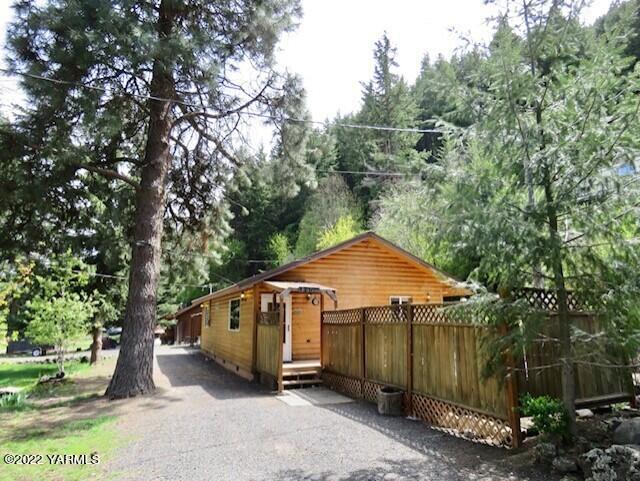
(549,416)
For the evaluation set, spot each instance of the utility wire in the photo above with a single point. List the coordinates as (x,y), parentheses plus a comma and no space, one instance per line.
(124,278)
(243,112)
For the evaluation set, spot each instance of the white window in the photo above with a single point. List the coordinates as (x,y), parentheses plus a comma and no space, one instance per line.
(206,316)
(395,300)
(234,314)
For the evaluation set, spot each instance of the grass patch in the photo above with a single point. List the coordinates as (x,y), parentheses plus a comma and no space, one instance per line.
(69,418)
(78,437)
(26,375)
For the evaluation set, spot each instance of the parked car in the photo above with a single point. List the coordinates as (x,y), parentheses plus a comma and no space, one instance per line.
(25,346)
(114,331)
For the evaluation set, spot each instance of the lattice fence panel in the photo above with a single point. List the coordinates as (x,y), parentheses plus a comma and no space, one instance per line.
(346,385)
(462,422)
(386,314)
(344,316)
(428,314)
(546,300)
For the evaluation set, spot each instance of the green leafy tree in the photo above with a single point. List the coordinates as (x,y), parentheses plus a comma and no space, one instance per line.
(15,280)
(159,111)
(344,229)
(60,312)
(331,201)
(280,249)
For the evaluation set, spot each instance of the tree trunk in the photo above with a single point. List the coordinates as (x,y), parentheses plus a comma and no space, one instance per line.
(60,359)
(134,370)
(96,345)
(567,373)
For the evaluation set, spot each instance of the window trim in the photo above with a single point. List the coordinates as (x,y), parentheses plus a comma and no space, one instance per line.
(401,300)
(229,314)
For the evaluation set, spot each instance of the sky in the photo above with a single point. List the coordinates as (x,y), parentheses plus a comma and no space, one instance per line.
(332,49)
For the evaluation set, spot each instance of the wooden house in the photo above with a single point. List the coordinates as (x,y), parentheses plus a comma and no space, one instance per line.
(188,325)
(364,271)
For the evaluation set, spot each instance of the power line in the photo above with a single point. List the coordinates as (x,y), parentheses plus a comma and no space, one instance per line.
(365,172)
(247,113)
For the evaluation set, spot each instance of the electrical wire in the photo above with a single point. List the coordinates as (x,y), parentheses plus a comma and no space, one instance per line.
(246,113)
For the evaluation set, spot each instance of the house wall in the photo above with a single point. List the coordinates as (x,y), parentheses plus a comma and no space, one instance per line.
(367,274)
(234,349)
(188,324)
(305,327)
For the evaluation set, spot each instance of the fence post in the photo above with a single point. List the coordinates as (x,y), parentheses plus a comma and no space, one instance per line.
(409,406)
(512,396)
(363,351)
(321,331)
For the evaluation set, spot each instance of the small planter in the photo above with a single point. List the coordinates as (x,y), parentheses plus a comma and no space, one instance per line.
(390,401)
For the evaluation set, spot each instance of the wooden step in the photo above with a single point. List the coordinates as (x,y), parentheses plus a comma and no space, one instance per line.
(301,382)
(314,372)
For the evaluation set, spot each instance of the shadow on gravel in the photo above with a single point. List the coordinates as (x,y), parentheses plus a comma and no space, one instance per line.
(386,469)
(469,460)
(188,367)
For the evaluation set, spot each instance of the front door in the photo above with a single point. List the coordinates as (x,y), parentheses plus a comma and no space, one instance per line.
(266,305)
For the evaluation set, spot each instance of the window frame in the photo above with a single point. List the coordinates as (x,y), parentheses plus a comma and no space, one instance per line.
(229,314)
(401,300)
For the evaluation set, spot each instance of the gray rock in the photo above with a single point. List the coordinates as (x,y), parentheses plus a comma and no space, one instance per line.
(565,464)
(612,423)
(584,413)
(544,453)
(621,463)
(628,432)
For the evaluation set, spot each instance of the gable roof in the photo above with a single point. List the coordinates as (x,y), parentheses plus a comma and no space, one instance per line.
(263,276)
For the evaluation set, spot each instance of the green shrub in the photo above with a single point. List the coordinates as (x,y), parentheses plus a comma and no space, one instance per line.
(549,416)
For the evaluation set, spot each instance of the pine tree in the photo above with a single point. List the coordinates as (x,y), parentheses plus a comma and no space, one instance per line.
(143,93)
(386,101)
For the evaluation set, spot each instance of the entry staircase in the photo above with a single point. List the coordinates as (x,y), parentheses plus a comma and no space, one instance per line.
(300,374)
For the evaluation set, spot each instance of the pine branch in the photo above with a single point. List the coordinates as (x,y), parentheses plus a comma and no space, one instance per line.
(110,174)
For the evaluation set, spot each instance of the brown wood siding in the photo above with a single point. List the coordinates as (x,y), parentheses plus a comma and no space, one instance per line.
(367,274)
(233,346)
(188,324)
(305,327)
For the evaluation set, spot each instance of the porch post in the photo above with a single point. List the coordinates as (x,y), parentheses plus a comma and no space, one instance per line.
(256,311)
(281,325)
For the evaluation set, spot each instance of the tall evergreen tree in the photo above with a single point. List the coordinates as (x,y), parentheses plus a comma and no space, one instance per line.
(148,94)
(386,101)
(542,184)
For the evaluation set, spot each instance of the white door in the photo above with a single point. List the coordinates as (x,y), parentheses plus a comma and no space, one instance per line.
(265,302)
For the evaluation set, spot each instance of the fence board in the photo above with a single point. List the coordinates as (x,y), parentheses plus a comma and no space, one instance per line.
(386,353)
(341,352)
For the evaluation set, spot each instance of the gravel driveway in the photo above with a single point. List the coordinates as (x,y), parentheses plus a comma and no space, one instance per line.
(207,424)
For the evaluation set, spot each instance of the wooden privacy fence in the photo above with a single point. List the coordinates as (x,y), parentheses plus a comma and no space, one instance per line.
(436,357)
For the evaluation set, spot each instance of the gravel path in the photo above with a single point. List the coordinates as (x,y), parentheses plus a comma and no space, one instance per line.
(207,424)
